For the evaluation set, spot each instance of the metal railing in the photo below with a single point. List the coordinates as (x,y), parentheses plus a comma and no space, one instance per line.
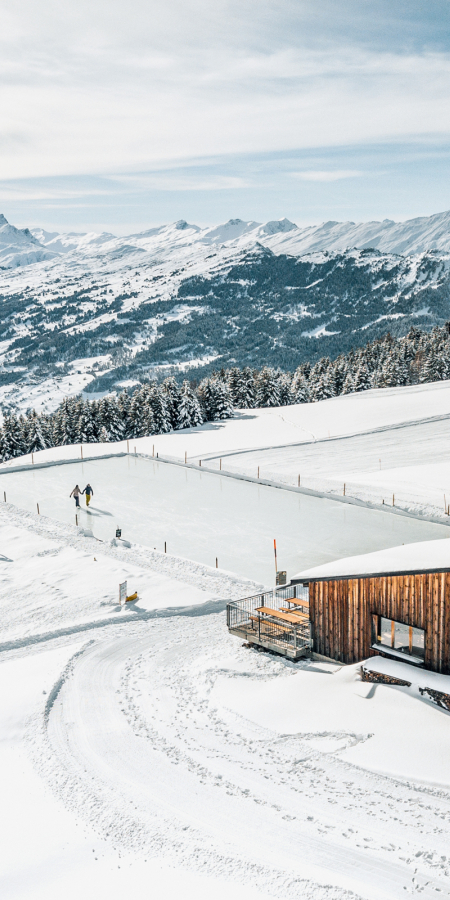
(245,619)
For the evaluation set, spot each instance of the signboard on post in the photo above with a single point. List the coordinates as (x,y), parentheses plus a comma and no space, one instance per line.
(280,578)
(123,593)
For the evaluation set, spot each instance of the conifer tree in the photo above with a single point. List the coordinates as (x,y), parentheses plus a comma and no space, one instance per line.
(189,410)
(138,418)
(156,399)
(267,388)
(34,438)
(12,438)
(362,379)
(172,396)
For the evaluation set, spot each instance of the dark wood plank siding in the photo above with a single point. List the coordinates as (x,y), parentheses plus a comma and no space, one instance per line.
(341,614)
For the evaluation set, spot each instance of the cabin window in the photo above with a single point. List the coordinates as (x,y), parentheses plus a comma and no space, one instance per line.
(397,636)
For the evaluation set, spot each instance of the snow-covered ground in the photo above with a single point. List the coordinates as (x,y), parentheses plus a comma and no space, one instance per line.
(146,751)
(380,444)
(204,516)
(153,751)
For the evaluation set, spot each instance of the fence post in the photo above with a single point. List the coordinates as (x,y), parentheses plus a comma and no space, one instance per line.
(185,457)
(153,450)
(199,462)
(217,564)
(165,546)
(32,458)
(258,472)
(299,481)
(220,465)
(128,446)
(135,451)
(76,519)
(344,488)
(37,504)
(393,500)
(81,449)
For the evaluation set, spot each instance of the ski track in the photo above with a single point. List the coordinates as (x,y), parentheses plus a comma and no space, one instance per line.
(131,739)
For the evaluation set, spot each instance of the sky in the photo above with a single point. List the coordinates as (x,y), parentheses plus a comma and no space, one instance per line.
(118,116)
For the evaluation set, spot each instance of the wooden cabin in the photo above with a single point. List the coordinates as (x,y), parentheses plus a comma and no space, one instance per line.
(393,602)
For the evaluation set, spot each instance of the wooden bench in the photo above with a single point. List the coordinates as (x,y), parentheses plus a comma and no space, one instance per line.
(296,613)
(292,618)
(297,603)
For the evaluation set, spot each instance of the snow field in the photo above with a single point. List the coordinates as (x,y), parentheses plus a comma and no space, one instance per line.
(151,740)
(54,579)
(204,517)
(181,743)
(378,443)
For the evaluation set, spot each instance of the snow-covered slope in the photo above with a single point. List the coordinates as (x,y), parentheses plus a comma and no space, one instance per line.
(19,247)
(104,310)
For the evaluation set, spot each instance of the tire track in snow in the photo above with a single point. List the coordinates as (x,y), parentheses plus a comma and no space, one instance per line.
(134,743)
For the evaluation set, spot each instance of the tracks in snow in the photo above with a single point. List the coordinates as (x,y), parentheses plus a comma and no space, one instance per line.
(133,740)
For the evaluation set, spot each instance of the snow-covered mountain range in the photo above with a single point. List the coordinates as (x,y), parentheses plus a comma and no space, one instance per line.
(98,311)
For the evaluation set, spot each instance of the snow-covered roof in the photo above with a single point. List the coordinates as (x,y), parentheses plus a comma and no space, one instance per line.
(421,557)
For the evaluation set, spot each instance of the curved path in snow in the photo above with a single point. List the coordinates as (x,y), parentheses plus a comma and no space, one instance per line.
(135,742)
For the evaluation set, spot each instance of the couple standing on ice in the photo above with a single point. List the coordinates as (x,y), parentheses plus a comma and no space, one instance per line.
(77,494)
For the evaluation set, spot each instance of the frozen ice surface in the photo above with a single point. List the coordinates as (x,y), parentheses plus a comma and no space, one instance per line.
(202,516)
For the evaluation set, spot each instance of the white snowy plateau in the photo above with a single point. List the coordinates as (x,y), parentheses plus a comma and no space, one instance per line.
(146,752)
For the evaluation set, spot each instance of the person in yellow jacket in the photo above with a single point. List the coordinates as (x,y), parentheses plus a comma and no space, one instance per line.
(88,493)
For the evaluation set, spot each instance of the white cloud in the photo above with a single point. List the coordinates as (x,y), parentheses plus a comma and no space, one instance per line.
(107,86)
(330,175)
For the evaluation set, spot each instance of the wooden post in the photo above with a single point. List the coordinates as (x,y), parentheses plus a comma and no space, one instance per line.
(185,457)
(344,488)
(157,456)
(128,446)
(135,451)
(299,481)
(258,472)
(383,501)
(81,450)
(32,458)
(220,465)
(76,519)
(393,500)
(199,462)
(153,449)
(217,563)
(37,504)
(165,546)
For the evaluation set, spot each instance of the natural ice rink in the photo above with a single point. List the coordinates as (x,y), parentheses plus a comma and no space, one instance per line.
(203,516)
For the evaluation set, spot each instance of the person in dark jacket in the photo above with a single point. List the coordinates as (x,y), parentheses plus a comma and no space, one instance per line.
(76,493)
(88,492)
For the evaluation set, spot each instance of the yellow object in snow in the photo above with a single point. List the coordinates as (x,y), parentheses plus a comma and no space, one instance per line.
(88,499)
(132,596)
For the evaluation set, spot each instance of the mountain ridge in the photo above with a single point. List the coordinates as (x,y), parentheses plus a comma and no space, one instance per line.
(107,312)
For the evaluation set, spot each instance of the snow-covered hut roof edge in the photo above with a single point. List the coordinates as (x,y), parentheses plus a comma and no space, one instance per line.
(409,559)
